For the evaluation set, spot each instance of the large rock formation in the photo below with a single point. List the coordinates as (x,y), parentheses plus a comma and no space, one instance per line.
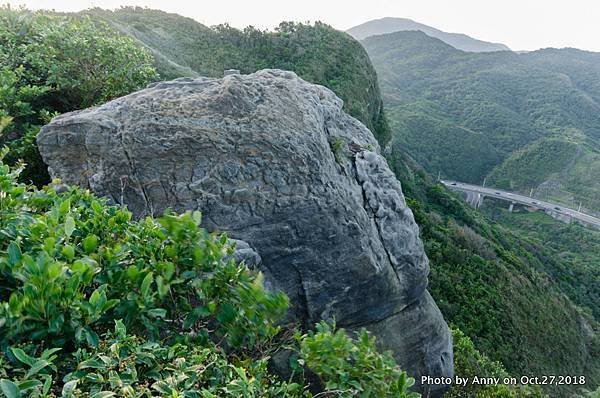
(275,162)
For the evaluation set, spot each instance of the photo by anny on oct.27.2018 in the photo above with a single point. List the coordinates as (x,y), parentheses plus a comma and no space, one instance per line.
(306,199)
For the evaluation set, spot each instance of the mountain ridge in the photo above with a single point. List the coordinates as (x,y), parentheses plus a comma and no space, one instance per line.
(459,41)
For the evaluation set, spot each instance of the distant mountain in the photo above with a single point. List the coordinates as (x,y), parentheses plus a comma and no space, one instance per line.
(456,40)
(524,121)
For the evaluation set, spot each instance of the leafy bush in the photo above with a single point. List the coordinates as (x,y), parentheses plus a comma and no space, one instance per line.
(350,368)
(50,64)
(93,303)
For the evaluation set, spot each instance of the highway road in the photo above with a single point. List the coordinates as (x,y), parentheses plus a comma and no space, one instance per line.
(526,200)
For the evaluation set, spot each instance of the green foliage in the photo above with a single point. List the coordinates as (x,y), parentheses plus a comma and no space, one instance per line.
(51,64)
(337,147)
(470,363)
(148,308)
(570,254)
(317,53)
(150,369)
(349,368)
(529,167)
(73,264)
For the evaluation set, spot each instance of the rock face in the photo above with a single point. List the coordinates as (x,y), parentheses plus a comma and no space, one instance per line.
(275,162)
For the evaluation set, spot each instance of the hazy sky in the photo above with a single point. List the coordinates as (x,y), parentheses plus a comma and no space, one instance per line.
(520,24)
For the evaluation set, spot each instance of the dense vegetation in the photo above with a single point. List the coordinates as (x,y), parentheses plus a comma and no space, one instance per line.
(92,302)
(51,64)
(317,53)
(508,294)
(571,254)
(467,115)
(535,164)
(470,363)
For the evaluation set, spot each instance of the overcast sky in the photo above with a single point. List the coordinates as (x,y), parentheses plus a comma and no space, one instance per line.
(520,24)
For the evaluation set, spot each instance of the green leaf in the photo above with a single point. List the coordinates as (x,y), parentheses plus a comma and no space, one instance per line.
(27,384)
(162,387)
(36,367)
(97,207)
(120,328)
(47,385)
(223,239)
(22,356)
(90,244)
(68,388)
(109,304)
(65,207)
(157,313)
(10,389)
(146,284)
(90,363)
(14,254)
(47,353)
(91,337)
(68,251)
(94,298)
(69,226)
(104,394)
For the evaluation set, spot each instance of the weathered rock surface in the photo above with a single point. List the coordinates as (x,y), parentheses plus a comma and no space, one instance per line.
(274,161)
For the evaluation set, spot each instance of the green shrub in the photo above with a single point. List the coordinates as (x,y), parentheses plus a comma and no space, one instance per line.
(50,64)
(348,368)
(95,304)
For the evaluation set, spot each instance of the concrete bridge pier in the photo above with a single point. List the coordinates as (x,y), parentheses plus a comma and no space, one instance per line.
(511,207)
(474,199)
(480,198)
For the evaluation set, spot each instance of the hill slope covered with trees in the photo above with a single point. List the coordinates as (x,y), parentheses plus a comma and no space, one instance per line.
(523,120)
(317,53)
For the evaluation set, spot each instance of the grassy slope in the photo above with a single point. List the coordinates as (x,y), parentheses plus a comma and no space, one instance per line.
(484,107)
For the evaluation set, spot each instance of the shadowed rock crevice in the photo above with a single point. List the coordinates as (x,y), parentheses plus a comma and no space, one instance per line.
(253,153)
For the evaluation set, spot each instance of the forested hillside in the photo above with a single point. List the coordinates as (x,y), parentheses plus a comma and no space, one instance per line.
(317,53)
(525,121)
(508,290)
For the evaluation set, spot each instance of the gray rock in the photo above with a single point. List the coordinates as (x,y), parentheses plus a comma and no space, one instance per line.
(242,252)
(274,161)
